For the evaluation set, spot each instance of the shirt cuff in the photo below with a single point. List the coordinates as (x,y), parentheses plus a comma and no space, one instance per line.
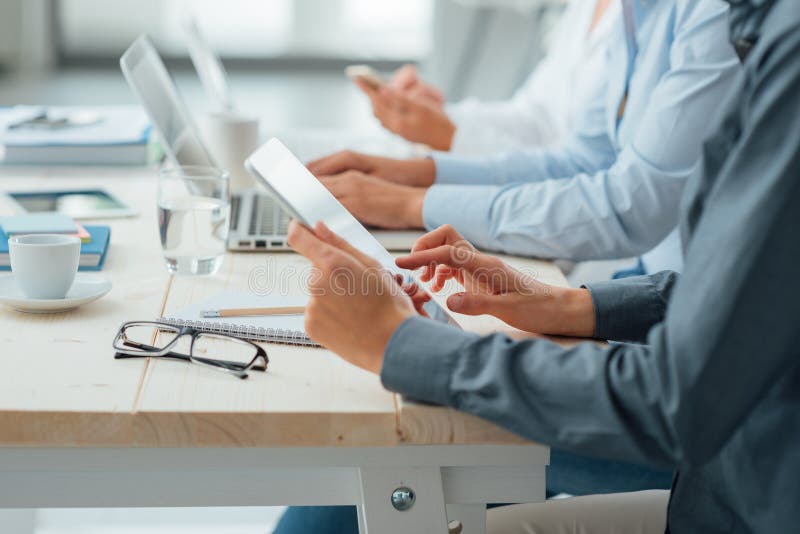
(626,309)
(418,361)
(460,169)
(467,209)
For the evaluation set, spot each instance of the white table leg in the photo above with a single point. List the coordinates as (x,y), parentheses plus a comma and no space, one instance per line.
(426,514)
(471,516)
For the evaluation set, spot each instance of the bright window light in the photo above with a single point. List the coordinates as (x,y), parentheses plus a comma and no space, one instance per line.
(234,27)
(252,28)
(400,16)
(393,27)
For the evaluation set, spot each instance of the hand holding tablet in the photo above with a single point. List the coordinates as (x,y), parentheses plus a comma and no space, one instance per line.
(309,202)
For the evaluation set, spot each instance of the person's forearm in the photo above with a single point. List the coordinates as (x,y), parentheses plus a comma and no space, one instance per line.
(525,166)
(408,207)
(574,312)
(588,217)
(534,388)
(440,133)
(418,172)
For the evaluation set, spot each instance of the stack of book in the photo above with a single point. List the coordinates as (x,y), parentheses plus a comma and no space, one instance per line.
(49,135)
(94,239)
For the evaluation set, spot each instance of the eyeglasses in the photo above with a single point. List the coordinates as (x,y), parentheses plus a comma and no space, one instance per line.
(147,339)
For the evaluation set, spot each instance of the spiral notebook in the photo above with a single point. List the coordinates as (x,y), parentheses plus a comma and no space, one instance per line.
(286,329)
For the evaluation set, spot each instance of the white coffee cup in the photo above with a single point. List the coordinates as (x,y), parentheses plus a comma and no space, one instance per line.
(44,265)
(232,137)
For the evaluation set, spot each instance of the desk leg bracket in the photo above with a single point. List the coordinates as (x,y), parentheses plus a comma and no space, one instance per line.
(377,510)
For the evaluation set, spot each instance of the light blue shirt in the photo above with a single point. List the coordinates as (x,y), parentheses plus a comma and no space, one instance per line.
(612,190)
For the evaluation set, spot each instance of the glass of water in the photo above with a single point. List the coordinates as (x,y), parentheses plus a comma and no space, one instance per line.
(194,207)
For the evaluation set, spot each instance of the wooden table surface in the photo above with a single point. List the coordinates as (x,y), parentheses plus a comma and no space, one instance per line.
(60,385)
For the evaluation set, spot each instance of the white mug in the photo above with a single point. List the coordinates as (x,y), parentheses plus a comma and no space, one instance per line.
(44,265)
(231,138)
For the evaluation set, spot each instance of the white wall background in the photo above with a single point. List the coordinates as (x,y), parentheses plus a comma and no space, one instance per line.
(488,52)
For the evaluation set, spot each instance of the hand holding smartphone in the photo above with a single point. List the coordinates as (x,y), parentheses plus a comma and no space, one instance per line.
(366,74)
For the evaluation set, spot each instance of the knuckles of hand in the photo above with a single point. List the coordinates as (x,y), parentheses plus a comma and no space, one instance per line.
(348,156)
(328,261)
(351,176)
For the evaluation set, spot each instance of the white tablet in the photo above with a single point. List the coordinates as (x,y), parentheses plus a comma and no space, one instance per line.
(307,200)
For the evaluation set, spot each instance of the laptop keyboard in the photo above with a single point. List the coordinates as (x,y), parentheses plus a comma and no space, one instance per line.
(235,206)
(268,218)
(283,222)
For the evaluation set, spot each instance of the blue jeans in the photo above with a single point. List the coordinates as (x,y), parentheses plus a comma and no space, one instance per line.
(319,520)
(567,473)
(634,270)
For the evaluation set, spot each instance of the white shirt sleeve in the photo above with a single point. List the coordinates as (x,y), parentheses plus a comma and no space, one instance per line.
(543,110)
(589,210)
(487,127)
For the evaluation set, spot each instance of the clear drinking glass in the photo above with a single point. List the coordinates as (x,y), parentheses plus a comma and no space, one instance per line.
(194,207)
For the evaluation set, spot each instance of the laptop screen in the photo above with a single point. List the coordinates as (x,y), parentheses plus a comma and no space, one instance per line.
(208,66)
(148,77)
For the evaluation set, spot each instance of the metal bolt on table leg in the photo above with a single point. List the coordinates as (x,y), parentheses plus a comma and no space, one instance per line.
(403,498)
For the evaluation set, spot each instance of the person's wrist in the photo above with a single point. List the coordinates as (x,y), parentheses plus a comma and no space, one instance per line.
(423,172)
(449,134)
(388,326)
(412,207)
(576,312)
(442,139)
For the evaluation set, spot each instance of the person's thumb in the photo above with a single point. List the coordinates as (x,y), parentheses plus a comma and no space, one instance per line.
(470,303)
(404,78)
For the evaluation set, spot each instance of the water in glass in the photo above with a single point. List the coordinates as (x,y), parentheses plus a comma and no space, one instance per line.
(194,216)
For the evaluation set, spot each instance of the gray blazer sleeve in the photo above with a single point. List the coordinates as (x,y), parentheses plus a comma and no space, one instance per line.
(729,335)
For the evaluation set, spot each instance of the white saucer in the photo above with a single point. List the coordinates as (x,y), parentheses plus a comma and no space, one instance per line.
(86,288)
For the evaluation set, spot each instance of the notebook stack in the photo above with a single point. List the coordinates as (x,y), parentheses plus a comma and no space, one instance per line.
(94,239)
(107,135)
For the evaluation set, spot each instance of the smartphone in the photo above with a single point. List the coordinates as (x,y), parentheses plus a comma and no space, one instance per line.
(367,74)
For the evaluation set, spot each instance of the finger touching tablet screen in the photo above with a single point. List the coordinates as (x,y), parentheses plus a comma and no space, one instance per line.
(307,200)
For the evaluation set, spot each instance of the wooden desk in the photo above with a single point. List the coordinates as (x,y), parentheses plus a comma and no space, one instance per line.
(78,428)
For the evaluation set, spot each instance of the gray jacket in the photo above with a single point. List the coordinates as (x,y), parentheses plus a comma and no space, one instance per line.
(714,392)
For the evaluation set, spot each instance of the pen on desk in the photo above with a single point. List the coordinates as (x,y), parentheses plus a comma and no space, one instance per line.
(243,312)
(24,122)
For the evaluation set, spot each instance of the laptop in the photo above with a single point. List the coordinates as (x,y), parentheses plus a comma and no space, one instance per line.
(307,143)
(257,221)
(209,68)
